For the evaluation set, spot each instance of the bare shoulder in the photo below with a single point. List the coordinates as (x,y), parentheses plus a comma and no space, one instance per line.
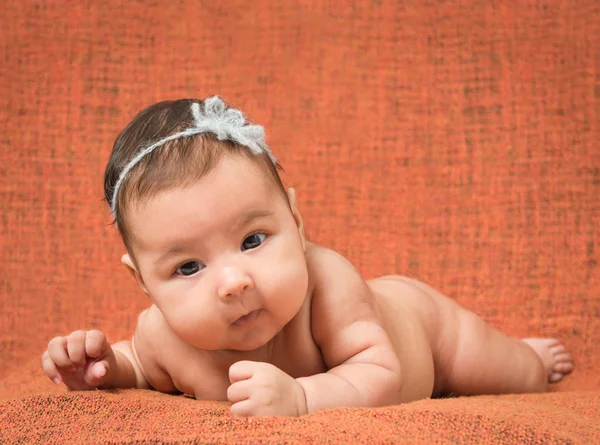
(341,296)
(151,339)
(329,269)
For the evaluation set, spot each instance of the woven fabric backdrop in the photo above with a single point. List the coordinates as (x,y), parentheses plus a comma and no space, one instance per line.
(451,141)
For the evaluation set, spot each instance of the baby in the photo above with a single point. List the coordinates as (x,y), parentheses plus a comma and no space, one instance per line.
(246,309)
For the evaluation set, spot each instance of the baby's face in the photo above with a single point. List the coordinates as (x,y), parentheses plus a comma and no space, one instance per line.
(223,259)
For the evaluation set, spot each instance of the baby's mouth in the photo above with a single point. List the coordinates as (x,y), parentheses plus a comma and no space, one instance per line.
(248,320)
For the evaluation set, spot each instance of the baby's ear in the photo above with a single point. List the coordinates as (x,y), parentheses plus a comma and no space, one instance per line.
(130,266)
(291,194)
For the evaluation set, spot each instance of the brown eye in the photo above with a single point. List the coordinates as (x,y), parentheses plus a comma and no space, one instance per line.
(189,268)
(253,241)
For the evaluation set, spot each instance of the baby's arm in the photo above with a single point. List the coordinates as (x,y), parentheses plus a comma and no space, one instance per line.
(128,371)
(85,360)
(363,367)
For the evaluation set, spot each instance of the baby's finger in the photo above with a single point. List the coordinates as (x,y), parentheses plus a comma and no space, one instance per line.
(238,391)
(76,347)
(242,370)
(96,343)
(50,368)
(95,374)
(245,408)
(57,350)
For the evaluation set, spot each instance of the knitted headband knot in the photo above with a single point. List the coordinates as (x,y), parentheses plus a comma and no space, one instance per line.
(225,123)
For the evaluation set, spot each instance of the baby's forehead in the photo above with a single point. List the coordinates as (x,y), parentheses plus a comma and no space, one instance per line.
(221,202)
(232,175)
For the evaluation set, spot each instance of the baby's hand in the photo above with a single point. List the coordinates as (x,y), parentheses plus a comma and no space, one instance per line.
(261,389)
(82,360)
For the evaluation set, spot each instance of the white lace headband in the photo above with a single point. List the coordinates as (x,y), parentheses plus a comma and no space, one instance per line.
(225,123)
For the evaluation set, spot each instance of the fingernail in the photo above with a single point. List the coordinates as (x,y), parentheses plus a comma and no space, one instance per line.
(57,380)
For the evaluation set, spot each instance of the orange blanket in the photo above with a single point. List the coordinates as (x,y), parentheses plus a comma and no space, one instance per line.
(144,416)
(452,141)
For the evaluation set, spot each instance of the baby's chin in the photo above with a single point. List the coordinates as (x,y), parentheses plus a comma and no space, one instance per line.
(246,344)
(234,346)
(249,344)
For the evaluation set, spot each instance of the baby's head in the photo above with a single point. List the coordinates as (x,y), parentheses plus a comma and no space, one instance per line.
(210,231)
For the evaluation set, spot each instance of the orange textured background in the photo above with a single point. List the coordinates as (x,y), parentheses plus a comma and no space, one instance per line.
(451,141)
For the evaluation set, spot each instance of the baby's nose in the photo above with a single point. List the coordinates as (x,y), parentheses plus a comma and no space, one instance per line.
(234,281)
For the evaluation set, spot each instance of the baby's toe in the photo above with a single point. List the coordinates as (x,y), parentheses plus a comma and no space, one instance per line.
(557,348)
(556,377)
(563,367)
(563,357)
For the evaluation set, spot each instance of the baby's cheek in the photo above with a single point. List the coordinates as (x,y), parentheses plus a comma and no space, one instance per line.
(196,326)
(290,280)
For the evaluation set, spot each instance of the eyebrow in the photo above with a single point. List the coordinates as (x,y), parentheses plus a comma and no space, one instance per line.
(242,222)
(250,216)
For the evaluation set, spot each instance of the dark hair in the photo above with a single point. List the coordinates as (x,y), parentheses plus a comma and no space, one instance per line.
(177,163)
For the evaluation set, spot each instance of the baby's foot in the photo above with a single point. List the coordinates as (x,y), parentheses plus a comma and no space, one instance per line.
(556,359)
